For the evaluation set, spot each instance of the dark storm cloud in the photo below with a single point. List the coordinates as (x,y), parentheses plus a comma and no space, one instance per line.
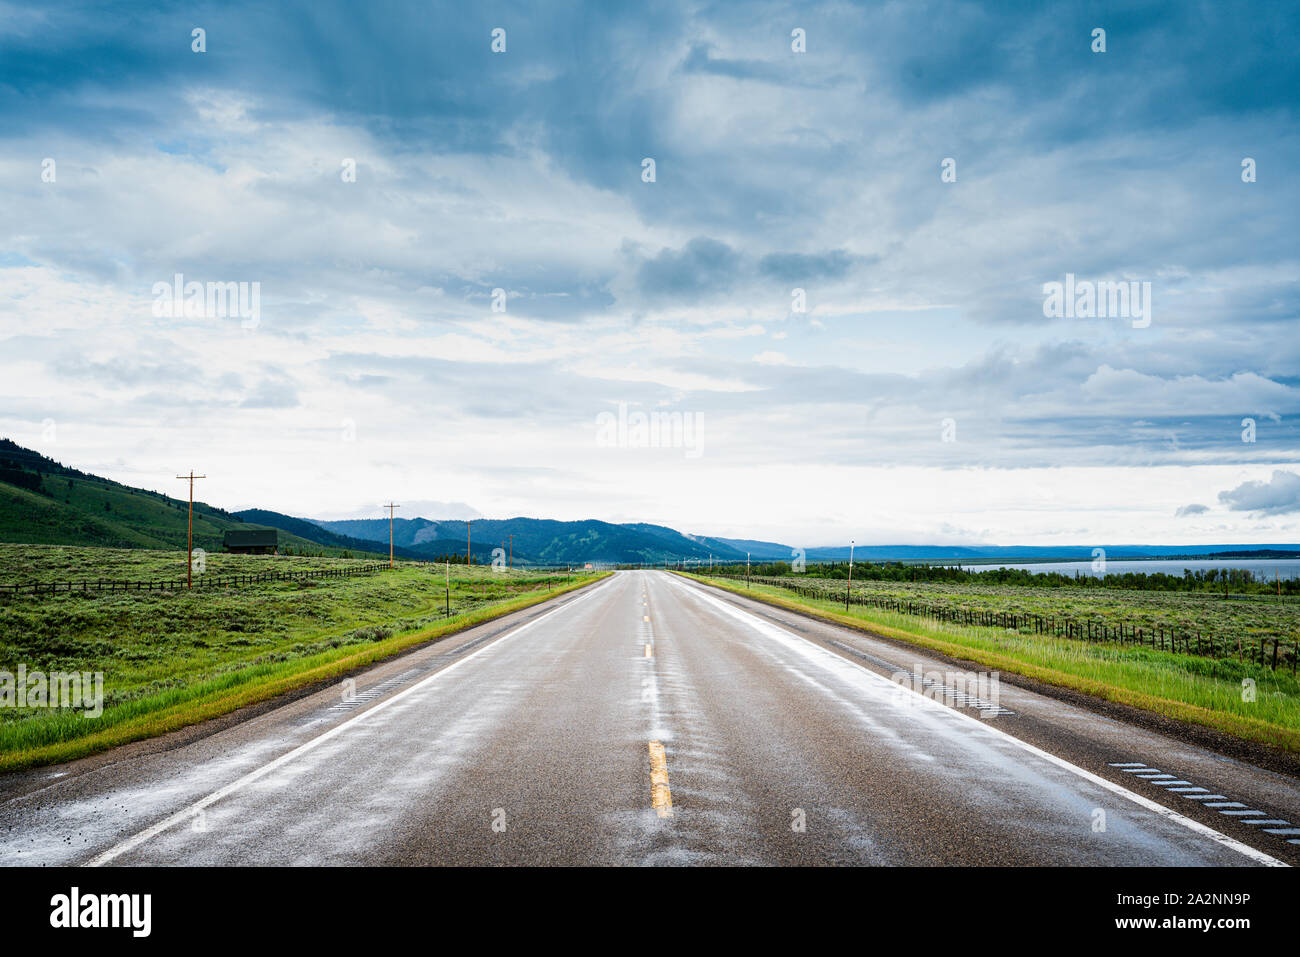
(703,267)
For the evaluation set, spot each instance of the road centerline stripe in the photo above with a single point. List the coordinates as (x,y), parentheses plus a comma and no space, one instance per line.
(661,798)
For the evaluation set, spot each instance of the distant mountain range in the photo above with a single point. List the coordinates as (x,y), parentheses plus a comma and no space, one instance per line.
(542,541)
(44,502)
(313,532)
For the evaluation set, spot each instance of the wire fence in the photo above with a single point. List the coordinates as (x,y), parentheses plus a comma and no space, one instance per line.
(205,581)
(200,581)
(1267,652)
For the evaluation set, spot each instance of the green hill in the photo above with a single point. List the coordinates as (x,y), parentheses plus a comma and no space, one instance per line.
(45,503)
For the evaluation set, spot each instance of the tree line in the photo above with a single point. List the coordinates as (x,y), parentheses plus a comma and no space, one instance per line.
(1207,579)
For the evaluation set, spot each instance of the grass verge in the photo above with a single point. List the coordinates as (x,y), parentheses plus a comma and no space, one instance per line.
(62,736)
(1201,691)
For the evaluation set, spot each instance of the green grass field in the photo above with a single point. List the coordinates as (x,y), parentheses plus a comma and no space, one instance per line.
(170,658)
(24,564)
(1190,688)
(1244,619)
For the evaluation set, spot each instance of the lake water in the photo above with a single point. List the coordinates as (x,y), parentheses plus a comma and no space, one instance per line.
(1261,568)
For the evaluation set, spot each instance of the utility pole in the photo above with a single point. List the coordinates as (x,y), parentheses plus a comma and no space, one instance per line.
(850,588)
(189,532)
(391,508)
(746,569)
(469,542)
(510,561)
(448,589)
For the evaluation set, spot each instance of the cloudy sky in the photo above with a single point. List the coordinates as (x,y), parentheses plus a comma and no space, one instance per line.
(465,269)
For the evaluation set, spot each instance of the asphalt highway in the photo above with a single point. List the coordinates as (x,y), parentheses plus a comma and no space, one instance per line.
(650,720)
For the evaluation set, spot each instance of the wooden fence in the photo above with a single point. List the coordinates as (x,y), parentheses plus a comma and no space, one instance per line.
(200,581)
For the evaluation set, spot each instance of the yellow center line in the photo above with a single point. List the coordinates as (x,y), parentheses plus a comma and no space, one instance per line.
(660,796)
(649,650)
(645,617)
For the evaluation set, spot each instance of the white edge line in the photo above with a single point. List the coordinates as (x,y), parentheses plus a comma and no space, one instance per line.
(1168,813)
(153,831)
